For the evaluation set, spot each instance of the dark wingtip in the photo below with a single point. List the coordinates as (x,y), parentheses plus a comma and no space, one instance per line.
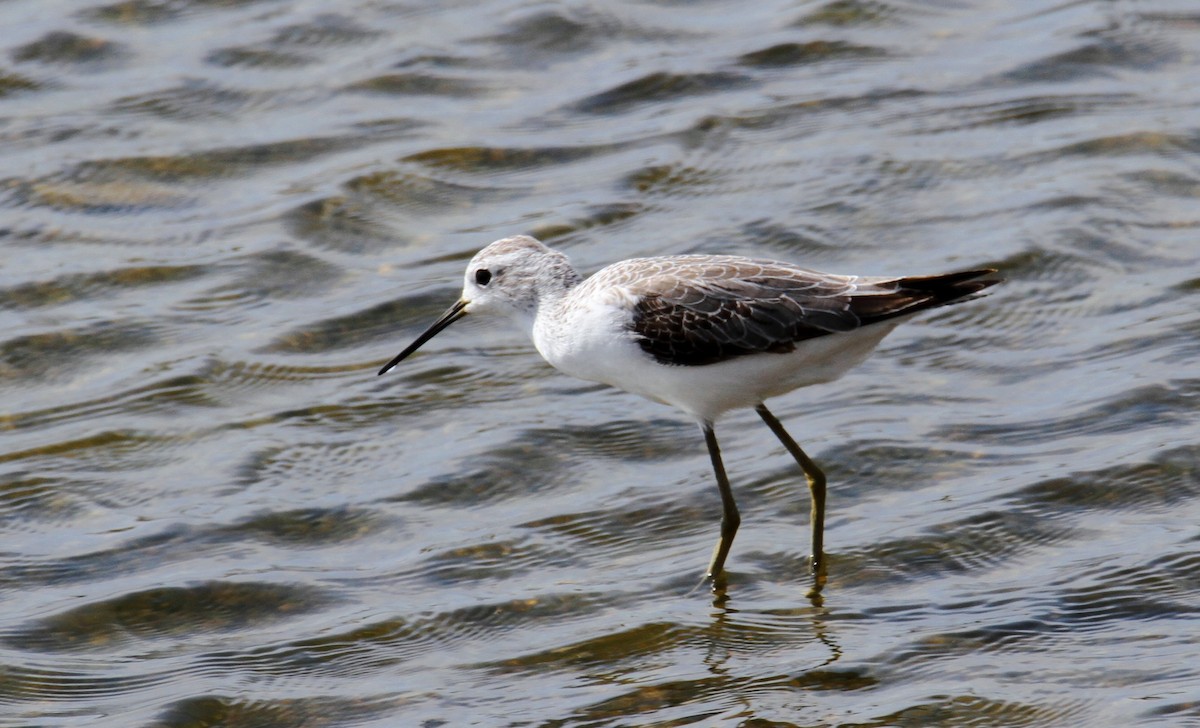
(917,293)
(948,287)
(944,280)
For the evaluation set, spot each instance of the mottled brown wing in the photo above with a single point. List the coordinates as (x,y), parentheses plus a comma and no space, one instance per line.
(702,310)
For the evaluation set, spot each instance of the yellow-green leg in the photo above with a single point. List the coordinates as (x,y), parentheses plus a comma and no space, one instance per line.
(730,518)
(816,487)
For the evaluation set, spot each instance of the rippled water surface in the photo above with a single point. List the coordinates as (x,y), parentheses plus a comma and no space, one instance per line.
(218,218)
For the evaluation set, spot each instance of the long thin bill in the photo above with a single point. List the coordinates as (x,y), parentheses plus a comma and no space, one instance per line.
(457,311)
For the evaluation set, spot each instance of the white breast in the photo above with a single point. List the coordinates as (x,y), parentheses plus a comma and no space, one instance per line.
(588,338)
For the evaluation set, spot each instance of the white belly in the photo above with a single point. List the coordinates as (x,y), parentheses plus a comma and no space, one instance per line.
(593,344)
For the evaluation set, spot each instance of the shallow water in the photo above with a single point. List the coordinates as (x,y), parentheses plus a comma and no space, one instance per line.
(219,217)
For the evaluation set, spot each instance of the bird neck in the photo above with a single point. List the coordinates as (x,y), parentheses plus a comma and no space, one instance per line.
(550,293)
(552,288)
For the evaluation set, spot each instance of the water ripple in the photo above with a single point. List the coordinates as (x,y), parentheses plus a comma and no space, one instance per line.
(656,88)
(313,712)
(164,612)
(29,684)
(222,216)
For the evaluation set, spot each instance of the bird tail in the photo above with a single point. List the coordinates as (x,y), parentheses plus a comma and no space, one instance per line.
(904,296)
(949,287)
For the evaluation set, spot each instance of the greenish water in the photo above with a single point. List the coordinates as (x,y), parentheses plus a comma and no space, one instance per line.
(218,218)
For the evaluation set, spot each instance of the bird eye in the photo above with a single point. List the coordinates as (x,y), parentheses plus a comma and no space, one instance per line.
(483,276)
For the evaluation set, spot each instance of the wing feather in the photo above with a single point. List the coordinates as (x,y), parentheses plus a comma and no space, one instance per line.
(698,310)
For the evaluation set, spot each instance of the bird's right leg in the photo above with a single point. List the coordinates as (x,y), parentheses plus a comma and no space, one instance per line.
(730,518)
